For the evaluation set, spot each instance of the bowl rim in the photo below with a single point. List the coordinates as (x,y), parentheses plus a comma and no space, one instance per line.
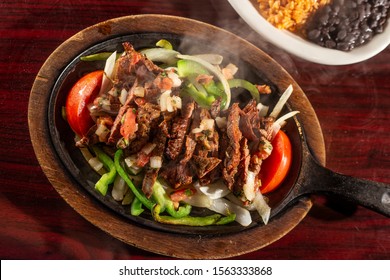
(302,48)
(208,247)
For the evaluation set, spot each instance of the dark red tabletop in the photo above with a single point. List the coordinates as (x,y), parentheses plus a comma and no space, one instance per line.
(352,104)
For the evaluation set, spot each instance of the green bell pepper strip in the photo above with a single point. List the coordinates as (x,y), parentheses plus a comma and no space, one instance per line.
(107,178)
(227,219)
(214,219)
(203,100)
(98,56)
(164,44)
(136,207)
(187,68)
(165,203)
(138,194)
(240,83)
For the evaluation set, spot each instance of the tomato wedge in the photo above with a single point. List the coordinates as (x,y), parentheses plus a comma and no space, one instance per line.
(129,126)
(76,107)
(274,169)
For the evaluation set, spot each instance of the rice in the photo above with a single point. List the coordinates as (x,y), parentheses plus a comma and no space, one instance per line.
(288,14)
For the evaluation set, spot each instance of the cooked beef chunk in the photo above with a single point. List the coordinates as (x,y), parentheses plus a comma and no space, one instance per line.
(250,121)
(147,119)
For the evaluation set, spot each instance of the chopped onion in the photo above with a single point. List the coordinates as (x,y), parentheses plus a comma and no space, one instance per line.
(170,107)
(131,160)
(139,91)
(214,190)
(282,100)
(221,122)
(108,73)
(176,102)
(262,207)
(205,124)
(106,104)
(214,70)
(225,207)
(119,189)
(175,79)
(123,96)
(102,131)
(164,100)
(155,162)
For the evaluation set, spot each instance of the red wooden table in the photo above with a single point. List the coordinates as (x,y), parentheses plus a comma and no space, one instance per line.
(352,103)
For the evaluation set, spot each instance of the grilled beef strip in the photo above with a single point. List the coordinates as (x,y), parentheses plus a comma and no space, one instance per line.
(151,174)
(179,130)
(148,117)
(233,154)
(243,167)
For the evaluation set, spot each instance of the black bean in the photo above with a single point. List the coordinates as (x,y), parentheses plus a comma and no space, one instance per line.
(346,24)
(341,34)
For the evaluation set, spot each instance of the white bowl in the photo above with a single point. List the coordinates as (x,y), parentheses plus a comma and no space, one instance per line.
(302,48)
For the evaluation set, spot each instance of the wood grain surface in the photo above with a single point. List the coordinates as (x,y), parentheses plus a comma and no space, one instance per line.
(352,104)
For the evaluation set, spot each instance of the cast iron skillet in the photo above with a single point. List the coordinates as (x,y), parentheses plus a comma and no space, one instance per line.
(74,180)
(310,178)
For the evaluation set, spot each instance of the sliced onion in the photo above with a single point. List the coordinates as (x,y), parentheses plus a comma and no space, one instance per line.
(229,71)
(128,199)
(199,200)
(213,191)
(262,207)
(263,109)
(212,58)
(119,189)
(161,55)
(95,163)
(249,186)
(234,199)
(283,118)
(225,207)
(214,70)
(108,73)
(282,101)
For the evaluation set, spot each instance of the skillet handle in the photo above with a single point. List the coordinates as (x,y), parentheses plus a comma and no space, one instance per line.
(370,194)
(315,178)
